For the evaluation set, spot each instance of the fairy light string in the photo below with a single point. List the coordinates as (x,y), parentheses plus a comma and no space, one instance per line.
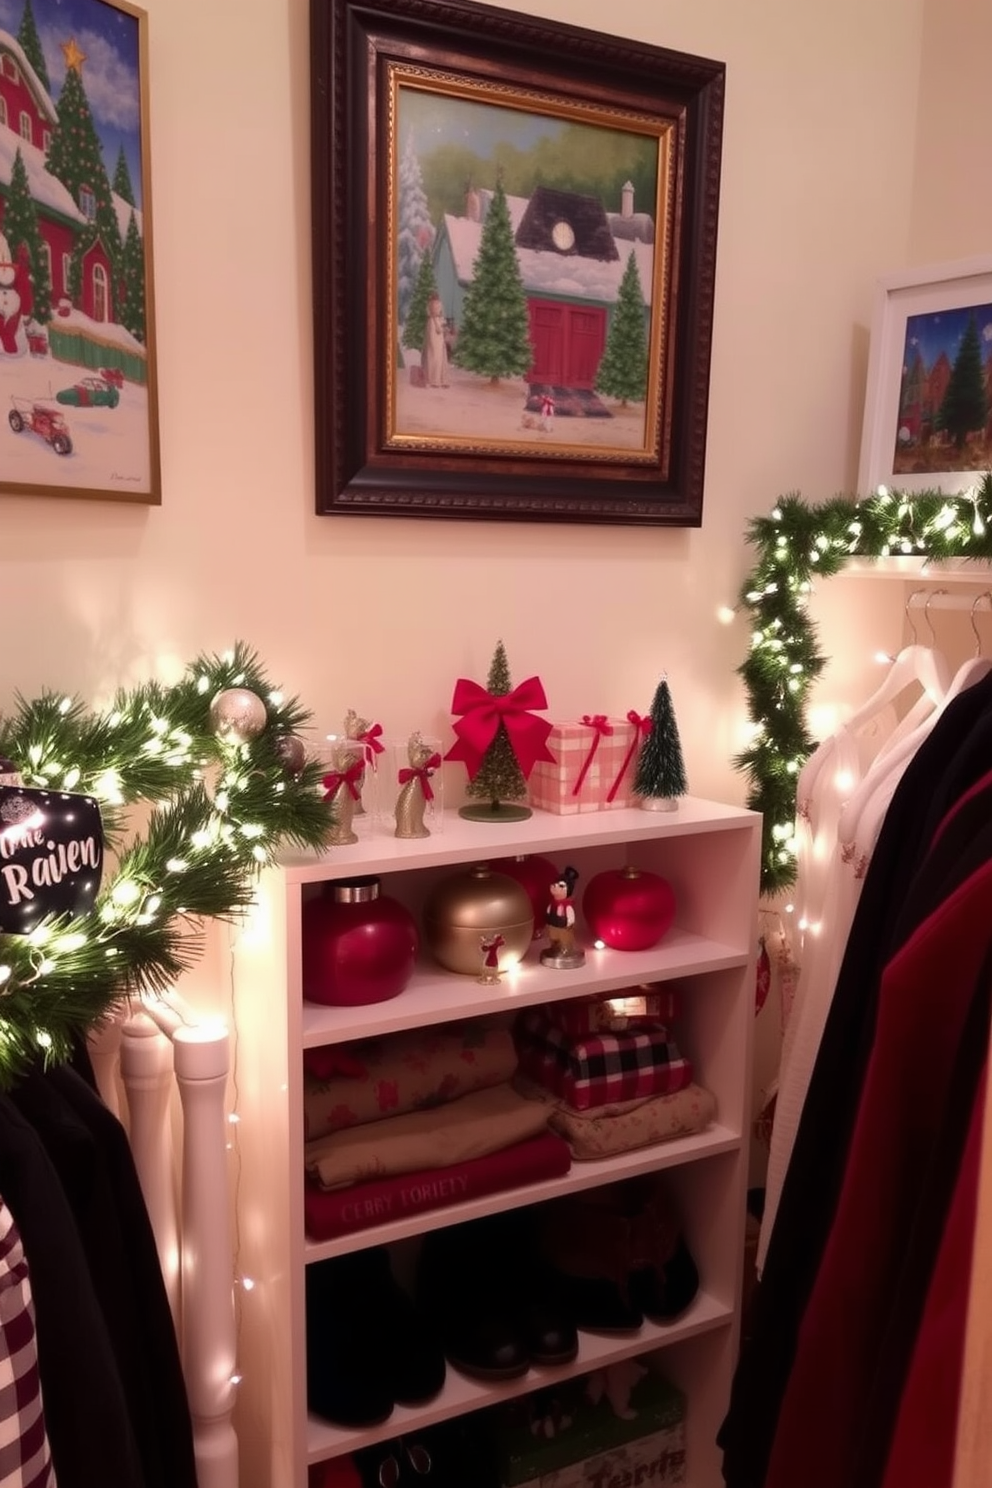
(797,545)
(222,806)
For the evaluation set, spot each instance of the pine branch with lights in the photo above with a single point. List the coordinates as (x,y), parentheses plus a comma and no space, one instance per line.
(798,544)
(220,760)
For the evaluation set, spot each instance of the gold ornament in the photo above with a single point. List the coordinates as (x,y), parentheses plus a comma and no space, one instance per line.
(237,715)
(468,907)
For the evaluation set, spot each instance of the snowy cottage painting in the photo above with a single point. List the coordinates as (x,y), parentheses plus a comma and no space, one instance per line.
(76,365)
(528,311)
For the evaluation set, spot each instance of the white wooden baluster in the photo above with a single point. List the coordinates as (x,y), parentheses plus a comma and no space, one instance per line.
(209,1332)
(146,1070)
(103,1043)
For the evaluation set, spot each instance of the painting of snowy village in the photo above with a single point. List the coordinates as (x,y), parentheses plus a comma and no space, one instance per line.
(944,420)
(530,252)
(77,383)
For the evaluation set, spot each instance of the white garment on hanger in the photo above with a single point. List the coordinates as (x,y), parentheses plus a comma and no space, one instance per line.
(830,872)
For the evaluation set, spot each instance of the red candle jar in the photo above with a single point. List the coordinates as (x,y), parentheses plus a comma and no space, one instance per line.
(536,875)
(359,946)
(628,909)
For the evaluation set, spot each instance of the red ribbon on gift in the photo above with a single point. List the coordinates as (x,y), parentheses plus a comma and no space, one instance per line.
(370,739)
(422,773)
(602,725)
(642,727)
(482,715)
(333,782)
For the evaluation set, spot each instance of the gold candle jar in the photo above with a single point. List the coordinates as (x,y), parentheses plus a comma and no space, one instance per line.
(463,910)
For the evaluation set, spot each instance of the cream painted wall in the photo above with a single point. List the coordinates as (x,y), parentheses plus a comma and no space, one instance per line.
(383,615)
(952,206)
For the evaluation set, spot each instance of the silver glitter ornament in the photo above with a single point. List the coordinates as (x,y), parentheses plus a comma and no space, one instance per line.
(237,715)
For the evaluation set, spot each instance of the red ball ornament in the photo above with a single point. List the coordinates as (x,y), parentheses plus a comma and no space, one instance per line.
(358,946)
(535,875)
(628,909)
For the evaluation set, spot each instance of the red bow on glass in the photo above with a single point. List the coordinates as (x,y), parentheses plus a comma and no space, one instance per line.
(348,777)
(371,739)
(482,715)
(642,727)
(422,773)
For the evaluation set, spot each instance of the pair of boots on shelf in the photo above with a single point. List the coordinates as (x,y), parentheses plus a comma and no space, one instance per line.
(369,1347)
(494,1296)
(515,1289)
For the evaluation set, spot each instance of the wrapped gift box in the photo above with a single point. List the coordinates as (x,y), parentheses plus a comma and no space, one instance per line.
(600,1068)
(587,767)
(573,1436)
(622,1012)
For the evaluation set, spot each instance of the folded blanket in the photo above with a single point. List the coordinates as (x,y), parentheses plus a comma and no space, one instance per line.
(344,1210)
(350,1084)
(469,1127)
(623,1126)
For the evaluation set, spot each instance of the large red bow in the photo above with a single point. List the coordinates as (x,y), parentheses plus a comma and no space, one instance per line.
(337,778)
(422,773)
(482,715)
(370,738)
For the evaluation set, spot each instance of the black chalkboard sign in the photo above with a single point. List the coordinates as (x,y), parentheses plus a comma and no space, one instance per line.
(51,856)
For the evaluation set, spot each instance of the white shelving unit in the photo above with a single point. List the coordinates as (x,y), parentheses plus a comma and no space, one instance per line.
(710,854)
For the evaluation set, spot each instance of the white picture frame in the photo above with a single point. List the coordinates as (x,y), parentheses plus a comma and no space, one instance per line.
(918,318)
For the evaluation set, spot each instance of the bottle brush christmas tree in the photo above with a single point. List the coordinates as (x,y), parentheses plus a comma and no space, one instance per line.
(660,777)
(500,739)
(499,782)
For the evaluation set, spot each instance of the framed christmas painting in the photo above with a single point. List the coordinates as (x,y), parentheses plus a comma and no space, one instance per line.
(78,407)
(514,258)
(928,404)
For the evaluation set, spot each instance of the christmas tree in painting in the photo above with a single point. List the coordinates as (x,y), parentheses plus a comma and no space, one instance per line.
(415,231)
(76,159)
(132,282)
(122,179)
(965,405)
(494,336)
(623,372)
(416,318)
(20,227)
(27,35)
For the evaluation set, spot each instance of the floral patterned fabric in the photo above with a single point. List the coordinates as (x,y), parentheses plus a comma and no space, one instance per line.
(403,1072)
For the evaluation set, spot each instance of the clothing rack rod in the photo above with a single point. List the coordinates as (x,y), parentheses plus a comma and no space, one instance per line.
(932,599)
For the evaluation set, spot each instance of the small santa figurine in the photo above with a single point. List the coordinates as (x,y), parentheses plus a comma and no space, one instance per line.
(16,299)
(490,945)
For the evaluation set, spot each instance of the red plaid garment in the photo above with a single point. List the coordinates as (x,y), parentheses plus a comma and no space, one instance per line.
(606,1067)
(25,1460)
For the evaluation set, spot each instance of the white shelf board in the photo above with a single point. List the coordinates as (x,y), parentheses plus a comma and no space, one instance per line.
(714,1140)
(951,570)
(436,996)
(377,851)
(461,1394)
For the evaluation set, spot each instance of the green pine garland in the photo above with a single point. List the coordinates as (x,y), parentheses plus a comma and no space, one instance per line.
(222,810)
(797,545)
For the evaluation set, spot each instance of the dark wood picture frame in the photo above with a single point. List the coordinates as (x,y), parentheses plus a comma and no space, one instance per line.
(373,65)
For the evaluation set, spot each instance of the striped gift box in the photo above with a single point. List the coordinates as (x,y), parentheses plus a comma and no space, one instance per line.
(593,770)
